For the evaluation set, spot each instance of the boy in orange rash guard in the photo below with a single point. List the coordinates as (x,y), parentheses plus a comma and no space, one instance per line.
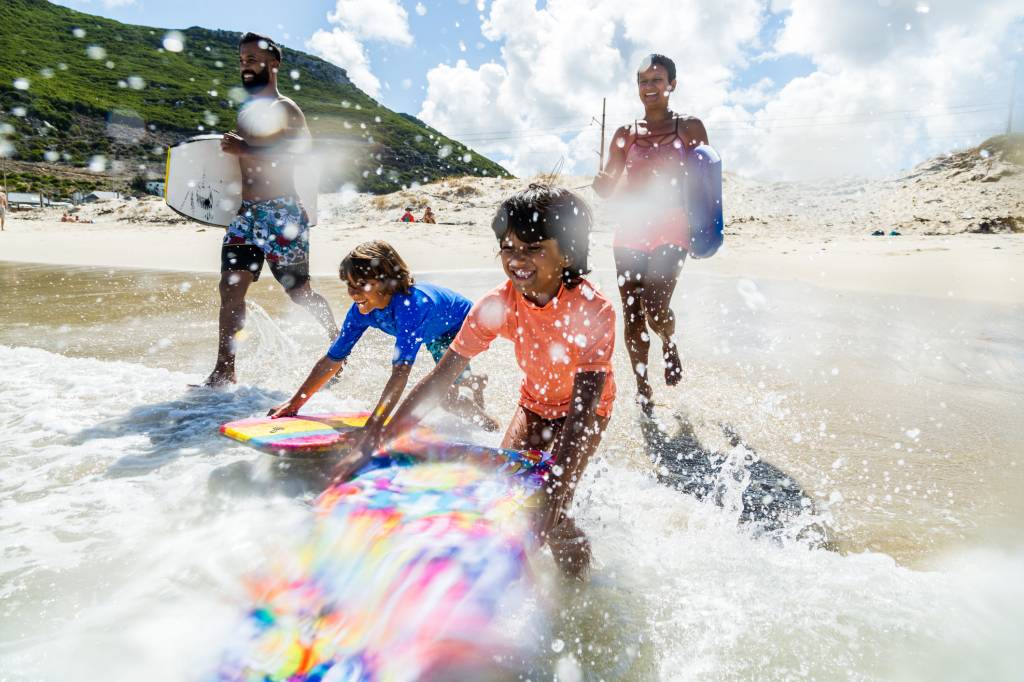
(563,330)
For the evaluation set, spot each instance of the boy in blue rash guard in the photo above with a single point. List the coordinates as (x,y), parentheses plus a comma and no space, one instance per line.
(384,296)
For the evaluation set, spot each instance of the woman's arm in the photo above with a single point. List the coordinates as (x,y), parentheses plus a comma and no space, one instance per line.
(576,441)
(605,181)
(322,371)
(694,132)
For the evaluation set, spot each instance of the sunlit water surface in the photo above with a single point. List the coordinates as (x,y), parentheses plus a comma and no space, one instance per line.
(125,533)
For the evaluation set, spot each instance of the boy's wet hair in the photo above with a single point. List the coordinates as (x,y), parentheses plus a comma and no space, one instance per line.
(265,43)
(658,60)
(542,212)
(377,260)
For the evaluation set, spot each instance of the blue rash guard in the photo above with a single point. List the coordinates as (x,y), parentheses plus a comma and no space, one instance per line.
(426,314)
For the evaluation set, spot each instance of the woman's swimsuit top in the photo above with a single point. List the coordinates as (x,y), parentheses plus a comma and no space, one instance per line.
(653,161)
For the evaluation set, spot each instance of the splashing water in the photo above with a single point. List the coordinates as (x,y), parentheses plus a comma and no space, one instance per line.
(120,561)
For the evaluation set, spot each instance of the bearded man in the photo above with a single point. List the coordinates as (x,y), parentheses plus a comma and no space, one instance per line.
(271,225)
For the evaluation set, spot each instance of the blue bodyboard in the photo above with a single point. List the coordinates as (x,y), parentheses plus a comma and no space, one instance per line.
(704,200)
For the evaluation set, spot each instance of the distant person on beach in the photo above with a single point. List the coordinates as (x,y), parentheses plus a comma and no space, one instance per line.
(271,225)
(428,217)
(386,297)
(3,209)
(652,236)
(563,334)
(408,217)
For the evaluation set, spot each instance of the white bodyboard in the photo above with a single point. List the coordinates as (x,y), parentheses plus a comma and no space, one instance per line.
(204,184)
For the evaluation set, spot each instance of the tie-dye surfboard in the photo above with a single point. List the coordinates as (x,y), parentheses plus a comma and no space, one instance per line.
(410,571)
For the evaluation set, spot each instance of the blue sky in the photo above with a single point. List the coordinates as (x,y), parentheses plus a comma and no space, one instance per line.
(791,89)
(292,23)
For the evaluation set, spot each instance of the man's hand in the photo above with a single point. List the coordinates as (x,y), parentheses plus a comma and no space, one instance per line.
(285,409)
(233,143)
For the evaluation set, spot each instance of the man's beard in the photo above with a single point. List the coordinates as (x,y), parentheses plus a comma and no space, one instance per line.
(258,82)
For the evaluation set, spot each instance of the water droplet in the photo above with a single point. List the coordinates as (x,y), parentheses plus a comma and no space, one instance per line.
(21,83)
(174,41)
(557,645)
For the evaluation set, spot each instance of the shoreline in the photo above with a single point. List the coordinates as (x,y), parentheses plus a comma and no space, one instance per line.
(962,266)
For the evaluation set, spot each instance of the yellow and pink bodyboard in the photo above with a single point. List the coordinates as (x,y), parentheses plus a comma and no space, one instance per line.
(306,436)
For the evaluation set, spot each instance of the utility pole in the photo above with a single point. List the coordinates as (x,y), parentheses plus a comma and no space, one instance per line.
(1013,96)
(600,152)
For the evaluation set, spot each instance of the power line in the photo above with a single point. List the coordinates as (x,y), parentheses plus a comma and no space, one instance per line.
(818,118)
(754,127)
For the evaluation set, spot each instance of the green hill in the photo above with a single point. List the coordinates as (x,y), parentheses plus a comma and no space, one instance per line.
(79,90)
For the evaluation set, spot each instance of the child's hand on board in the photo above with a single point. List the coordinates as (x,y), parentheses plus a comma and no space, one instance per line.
(285,409)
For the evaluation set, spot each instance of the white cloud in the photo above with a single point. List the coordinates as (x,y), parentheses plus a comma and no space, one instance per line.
(559,60)
(874,106)
(384,20)
(355,22)
(344,49)
(421,9)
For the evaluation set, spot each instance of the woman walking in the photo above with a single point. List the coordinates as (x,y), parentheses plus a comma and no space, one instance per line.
(652,236)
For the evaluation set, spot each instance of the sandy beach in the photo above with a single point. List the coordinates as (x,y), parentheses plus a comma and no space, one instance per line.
(821,236)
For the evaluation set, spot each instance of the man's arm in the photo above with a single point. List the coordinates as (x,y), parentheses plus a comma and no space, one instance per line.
(291,140)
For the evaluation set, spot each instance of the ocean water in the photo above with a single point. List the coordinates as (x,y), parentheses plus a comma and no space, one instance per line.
(126,523)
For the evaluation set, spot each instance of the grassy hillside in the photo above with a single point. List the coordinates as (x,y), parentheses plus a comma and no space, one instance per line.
(77,89)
